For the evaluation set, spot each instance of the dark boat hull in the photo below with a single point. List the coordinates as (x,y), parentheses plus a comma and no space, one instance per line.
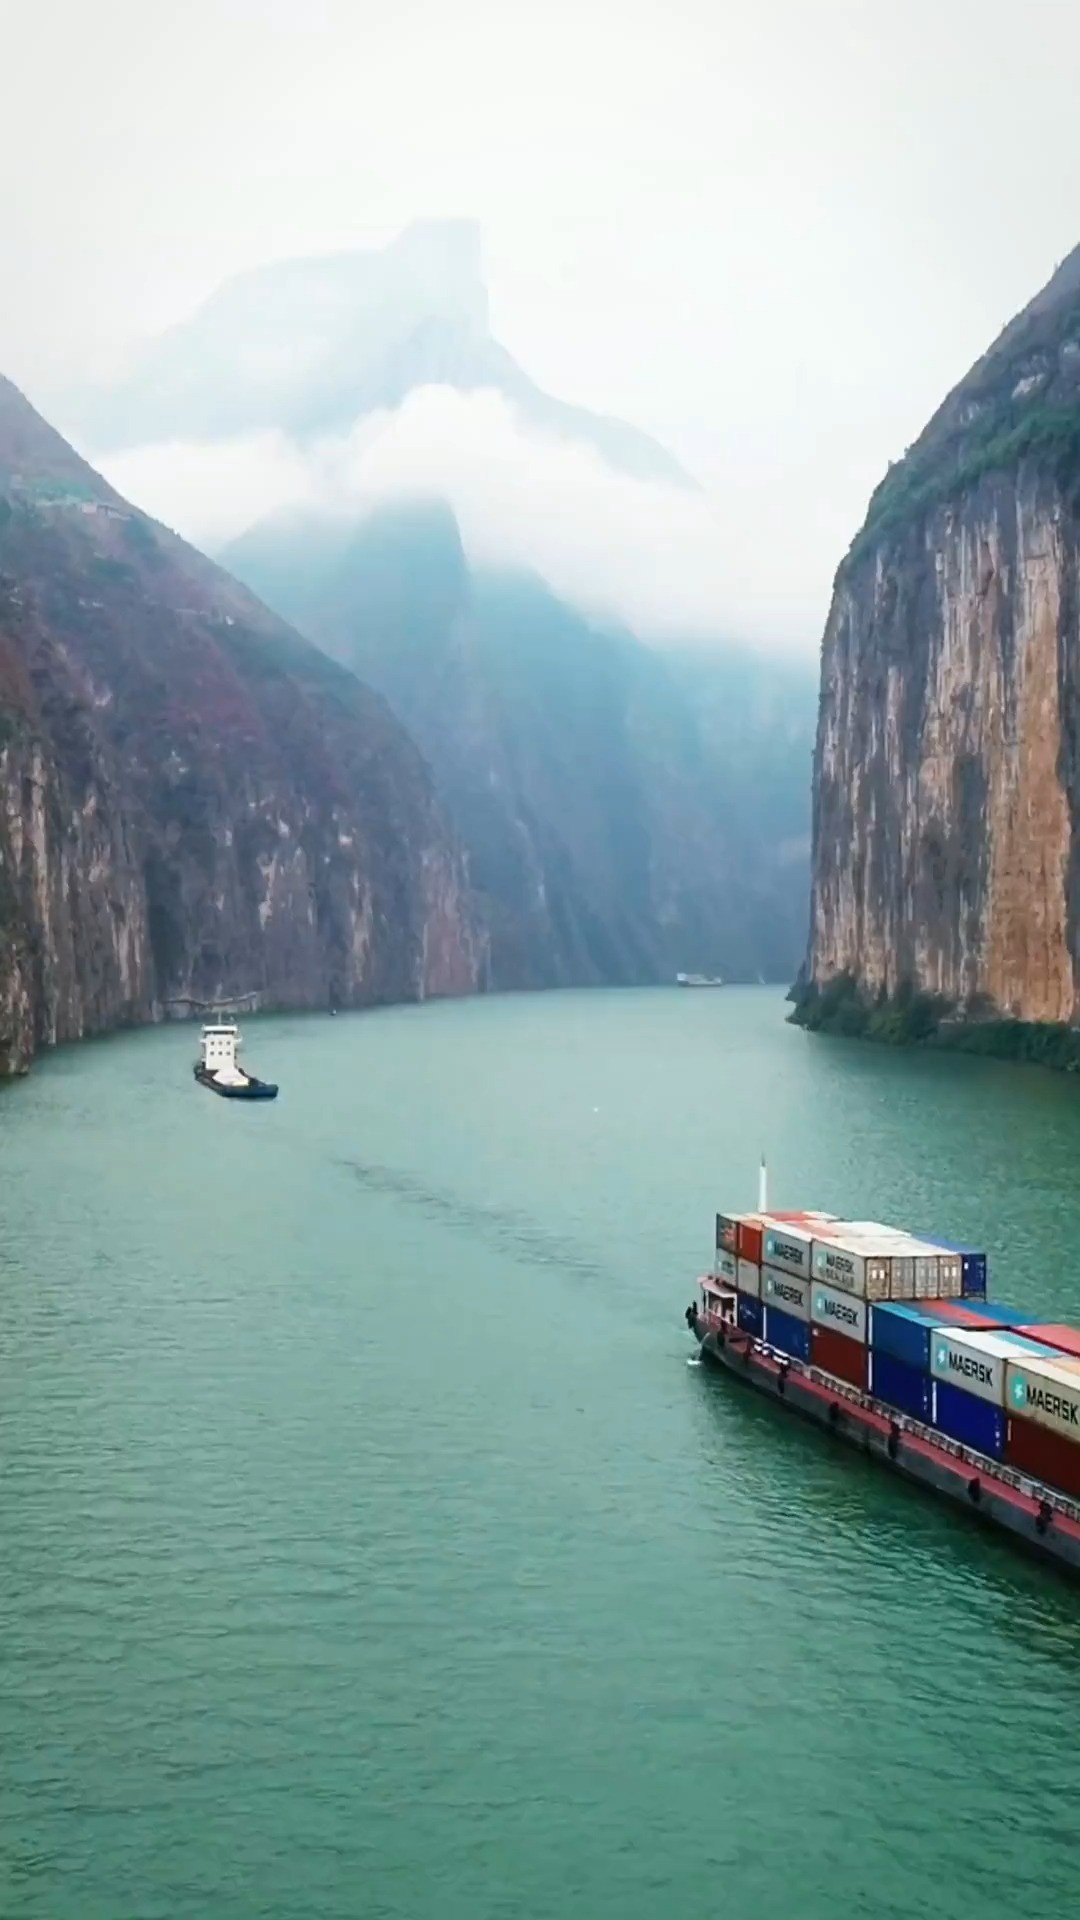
(970,1481)
(251,1090)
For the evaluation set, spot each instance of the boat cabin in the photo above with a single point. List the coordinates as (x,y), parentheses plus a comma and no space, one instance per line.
(719,1304)
(220,1045)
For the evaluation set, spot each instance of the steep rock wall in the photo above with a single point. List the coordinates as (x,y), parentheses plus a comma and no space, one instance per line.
(947,765)
(946,831)
(194,802)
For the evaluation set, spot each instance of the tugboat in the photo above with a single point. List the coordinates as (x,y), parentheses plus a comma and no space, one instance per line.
(217,1066)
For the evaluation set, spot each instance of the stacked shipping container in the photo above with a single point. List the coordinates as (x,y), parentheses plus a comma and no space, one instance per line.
(906,1319)
(1043,1397)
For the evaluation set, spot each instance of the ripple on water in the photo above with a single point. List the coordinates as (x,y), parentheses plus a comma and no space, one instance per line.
(368,1545)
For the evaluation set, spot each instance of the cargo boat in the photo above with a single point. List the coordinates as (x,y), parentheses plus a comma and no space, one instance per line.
(972,1447)
(218,1068)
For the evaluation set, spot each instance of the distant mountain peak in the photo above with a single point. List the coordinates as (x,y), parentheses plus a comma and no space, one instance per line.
(309,347)
(450,247)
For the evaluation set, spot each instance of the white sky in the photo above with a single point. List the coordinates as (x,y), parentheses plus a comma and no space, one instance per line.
(771,233)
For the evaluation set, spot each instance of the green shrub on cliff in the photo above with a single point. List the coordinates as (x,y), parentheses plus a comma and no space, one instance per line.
(841,1007)
(909,1018)
(918,484)
(1040,1044)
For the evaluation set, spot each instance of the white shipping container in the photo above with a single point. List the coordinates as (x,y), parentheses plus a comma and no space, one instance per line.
(749,1278)
(879,1281)
(937,1274)
(788,1291)
(947,1285)
(974,1361)
(844,1311)
(1048,1395)
(786,1247)
(927,1248)
(875,1230)
(840,1264)
(880,1266)
(725,1267)
(898,1259)
(898,1272)
(950,1269)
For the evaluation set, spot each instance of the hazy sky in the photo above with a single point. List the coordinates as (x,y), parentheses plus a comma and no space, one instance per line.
(771,233)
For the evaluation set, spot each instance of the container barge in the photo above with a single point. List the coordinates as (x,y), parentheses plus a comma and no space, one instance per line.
(888,1341)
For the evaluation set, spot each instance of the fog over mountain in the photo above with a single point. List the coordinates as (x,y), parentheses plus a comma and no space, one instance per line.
(525,581)
(734,226)
(648,553)
(310,346)
(337,385)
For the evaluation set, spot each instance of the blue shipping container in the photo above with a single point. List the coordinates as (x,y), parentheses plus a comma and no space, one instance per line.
(903,1329)
(973,1266)
(900,1386)
(750,1314)
(997,1315)
(787,1334)
(972,1421)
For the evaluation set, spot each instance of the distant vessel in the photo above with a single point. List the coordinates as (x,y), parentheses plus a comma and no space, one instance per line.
(217,1066)
(698,980)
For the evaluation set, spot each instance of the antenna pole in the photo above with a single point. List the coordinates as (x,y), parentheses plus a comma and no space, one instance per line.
(762,1187)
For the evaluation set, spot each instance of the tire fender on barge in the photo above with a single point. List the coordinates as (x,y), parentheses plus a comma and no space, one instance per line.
(1040,1519)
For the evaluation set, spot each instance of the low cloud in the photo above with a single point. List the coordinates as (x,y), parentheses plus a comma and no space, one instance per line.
(212,492)
(652,556)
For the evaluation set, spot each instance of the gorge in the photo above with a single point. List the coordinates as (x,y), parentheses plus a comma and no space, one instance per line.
(632,795)
(460,778)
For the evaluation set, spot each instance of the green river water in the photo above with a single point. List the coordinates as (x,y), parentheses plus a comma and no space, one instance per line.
(368,1546)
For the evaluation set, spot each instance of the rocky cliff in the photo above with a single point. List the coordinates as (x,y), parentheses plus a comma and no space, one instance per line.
(194,802)
(946,833)
(629,812)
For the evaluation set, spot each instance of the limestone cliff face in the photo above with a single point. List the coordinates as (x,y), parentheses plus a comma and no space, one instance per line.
(946,855)
(194,803)
(73,942)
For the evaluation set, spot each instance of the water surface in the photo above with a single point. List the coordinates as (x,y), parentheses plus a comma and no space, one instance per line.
(368,1547)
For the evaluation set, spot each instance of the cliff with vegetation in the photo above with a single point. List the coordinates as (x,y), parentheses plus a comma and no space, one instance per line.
(946,832)
(194,802)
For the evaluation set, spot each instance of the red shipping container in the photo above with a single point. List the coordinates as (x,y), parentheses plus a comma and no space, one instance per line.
(834,1353)
(960,1316)
(1066,1339)
(1046,1456)
(749,1241)
(804,1219)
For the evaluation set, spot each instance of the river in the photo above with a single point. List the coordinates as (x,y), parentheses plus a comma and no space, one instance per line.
(368,1546)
